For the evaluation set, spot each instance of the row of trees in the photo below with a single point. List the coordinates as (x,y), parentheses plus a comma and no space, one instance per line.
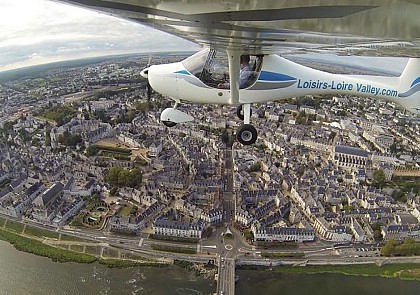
(408,248)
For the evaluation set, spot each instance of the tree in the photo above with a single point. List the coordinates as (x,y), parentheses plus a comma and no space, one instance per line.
(102,116)
(399,195)
(301,118)
(133,210)
(389,248)
(255,167)
(379,178)
(114,191)
(112,175)
(143,106)
(377,235)
(92,150)
(25,135)
(121,177)
(47,136)
(69,139)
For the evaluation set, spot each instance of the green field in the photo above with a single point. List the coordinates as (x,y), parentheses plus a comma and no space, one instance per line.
(124,211)
(174,239)
(15,226)
(94,250)
(173,249)
(71,238)
(76,248)
(40,233)
(283,254)
(402,271)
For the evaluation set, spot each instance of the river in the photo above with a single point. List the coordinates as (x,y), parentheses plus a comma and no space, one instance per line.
(27,274)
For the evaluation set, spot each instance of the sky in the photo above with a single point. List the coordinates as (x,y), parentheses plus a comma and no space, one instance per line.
(40,31)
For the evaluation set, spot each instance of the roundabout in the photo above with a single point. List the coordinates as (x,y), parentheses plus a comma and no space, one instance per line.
(228,247)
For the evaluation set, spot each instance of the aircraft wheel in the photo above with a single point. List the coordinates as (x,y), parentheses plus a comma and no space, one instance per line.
(246,134)
(240,113)
(169,123)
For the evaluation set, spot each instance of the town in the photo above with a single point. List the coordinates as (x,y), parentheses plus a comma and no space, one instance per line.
(81,146)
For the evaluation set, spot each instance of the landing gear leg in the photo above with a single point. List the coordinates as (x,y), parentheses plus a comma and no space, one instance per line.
(246,133)
(240,112)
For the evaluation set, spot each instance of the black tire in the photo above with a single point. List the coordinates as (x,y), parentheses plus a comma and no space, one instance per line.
(240,113)
(169,123)
(246,134)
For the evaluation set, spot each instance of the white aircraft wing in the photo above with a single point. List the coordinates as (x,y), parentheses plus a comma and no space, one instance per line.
(349,27)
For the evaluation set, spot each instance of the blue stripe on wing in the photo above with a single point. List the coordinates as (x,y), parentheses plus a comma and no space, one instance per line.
(417,81)
(183,72)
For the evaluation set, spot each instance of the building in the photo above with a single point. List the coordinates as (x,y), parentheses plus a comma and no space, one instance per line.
(178,229)
(282,234)
(213,216)
(350,157)
(50,194)
(155,149)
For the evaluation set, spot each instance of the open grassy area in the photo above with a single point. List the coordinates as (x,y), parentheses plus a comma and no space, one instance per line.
(94,250)
(174,249)
(276,245)
(15,226)
(40,233)
(174,239)
(124,211)
(71,238)
(76,248)
(283,254)
(402,271)
(110,252)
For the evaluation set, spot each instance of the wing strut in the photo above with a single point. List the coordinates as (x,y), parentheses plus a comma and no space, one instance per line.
(234,69)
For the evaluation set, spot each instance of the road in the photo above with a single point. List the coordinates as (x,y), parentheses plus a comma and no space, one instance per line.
(226,278)
(228,194)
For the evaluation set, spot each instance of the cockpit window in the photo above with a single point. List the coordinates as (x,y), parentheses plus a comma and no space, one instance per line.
(212,68)
(195,63)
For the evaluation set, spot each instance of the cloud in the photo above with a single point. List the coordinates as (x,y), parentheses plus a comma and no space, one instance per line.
(38,31)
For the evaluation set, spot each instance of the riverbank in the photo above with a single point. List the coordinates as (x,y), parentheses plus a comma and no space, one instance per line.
(207,271)
(24,273)
(400,271)
(34,246)
(38,248)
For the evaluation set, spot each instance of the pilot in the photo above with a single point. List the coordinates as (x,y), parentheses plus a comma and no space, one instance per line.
(245,74)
